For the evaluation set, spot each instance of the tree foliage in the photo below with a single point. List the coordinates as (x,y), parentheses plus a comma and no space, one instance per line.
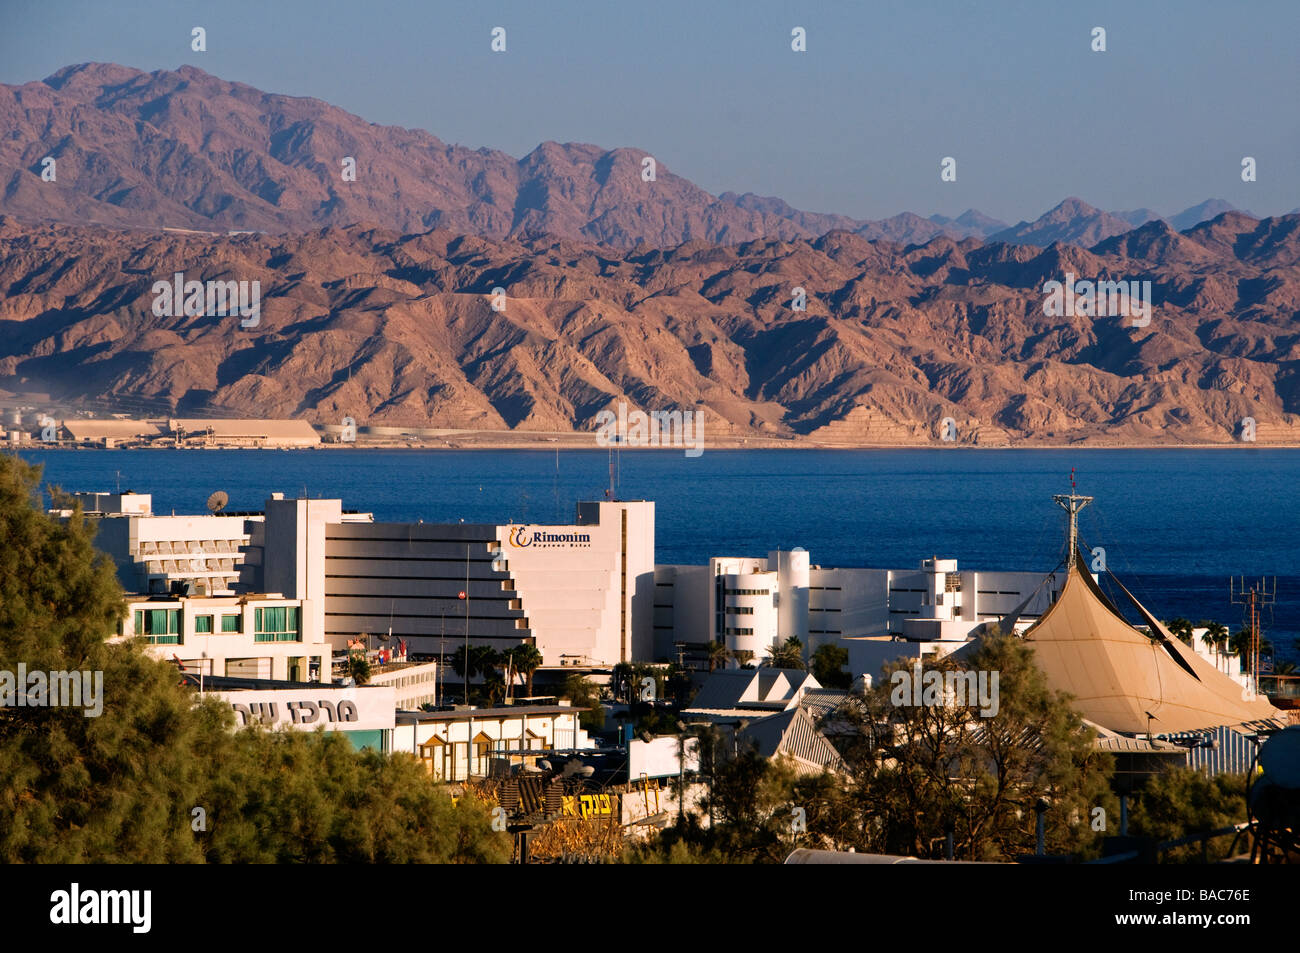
(1180,802)
(828,664)
(580,691)
(789,654)
(912,773)
(524,659)
(161,776)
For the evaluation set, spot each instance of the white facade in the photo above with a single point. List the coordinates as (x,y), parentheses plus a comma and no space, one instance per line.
(475,742)
(583,593)
(246,636)
(414,683)
(753,604)
(365,715)
(154,552)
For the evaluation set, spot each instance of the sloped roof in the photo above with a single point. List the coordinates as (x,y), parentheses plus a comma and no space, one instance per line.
(272,429)
(1117,675)
(820,702)
(793,734)
(773,689)
(117,429)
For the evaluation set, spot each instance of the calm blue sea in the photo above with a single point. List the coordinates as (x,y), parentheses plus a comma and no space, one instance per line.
(1175,524)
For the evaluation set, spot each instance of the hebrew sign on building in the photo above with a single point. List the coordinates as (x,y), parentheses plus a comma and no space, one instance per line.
(335,709)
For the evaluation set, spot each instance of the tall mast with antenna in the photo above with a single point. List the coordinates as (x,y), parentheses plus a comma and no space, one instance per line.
(1072,504)
(1256,596)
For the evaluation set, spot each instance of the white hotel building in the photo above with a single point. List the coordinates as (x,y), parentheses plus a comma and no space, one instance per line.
(583,592)
(753,604)
(586,594)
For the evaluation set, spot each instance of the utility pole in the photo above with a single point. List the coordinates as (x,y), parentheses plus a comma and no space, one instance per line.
(465,595)
(1072,504)
(1258,595)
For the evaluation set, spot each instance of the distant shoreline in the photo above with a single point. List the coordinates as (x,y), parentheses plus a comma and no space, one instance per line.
(730,446)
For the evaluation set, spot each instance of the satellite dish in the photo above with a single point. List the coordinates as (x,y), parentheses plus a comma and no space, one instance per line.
(217,501)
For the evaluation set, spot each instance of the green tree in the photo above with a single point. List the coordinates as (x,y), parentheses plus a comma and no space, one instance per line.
(1240,644)
(359,667)
(525,659)
(921,770)
(1215,634)
(789,654)
(483,660)
(1181,628)
(718,656)
(304,798)
(79,789)
(131,784)
(1182,802)
(828,666)
(579,690)
(621,680)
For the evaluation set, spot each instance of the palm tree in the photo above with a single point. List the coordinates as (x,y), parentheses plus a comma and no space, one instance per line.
(525,659)
(1216,633)
(718,655)
(494,684)
(620,681)
(1181,628)
(789,654)
(483,659)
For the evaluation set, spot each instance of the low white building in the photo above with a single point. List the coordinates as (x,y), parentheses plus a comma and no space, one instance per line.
(248,635)
(476,742)
(414,684)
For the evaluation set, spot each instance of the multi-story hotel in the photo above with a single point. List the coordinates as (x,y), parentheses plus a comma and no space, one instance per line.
(583,593)
(752,604)
(587,594)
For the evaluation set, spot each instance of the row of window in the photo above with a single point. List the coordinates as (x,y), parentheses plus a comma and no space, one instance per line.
(746,592)
(273,624)
(739,631)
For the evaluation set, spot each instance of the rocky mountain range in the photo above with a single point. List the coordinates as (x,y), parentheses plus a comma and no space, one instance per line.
(400,328)
(185,149)
(465,288)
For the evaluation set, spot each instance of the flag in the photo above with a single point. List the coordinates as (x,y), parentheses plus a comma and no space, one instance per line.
(402,644)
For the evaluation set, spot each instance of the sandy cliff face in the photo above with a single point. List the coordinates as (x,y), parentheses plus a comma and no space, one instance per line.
(392,328)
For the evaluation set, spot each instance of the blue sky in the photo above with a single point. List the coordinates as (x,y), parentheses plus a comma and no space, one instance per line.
(858,124)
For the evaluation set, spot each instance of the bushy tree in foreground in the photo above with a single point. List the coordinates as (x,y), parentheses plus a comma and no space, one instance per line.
(912,773)
(123,786)
(1183,801)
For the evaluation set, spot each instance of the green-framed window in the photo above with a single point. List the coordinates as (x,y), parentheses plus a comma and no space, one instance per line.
(203,624)
(160,626)
(276,624)
(231,623)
